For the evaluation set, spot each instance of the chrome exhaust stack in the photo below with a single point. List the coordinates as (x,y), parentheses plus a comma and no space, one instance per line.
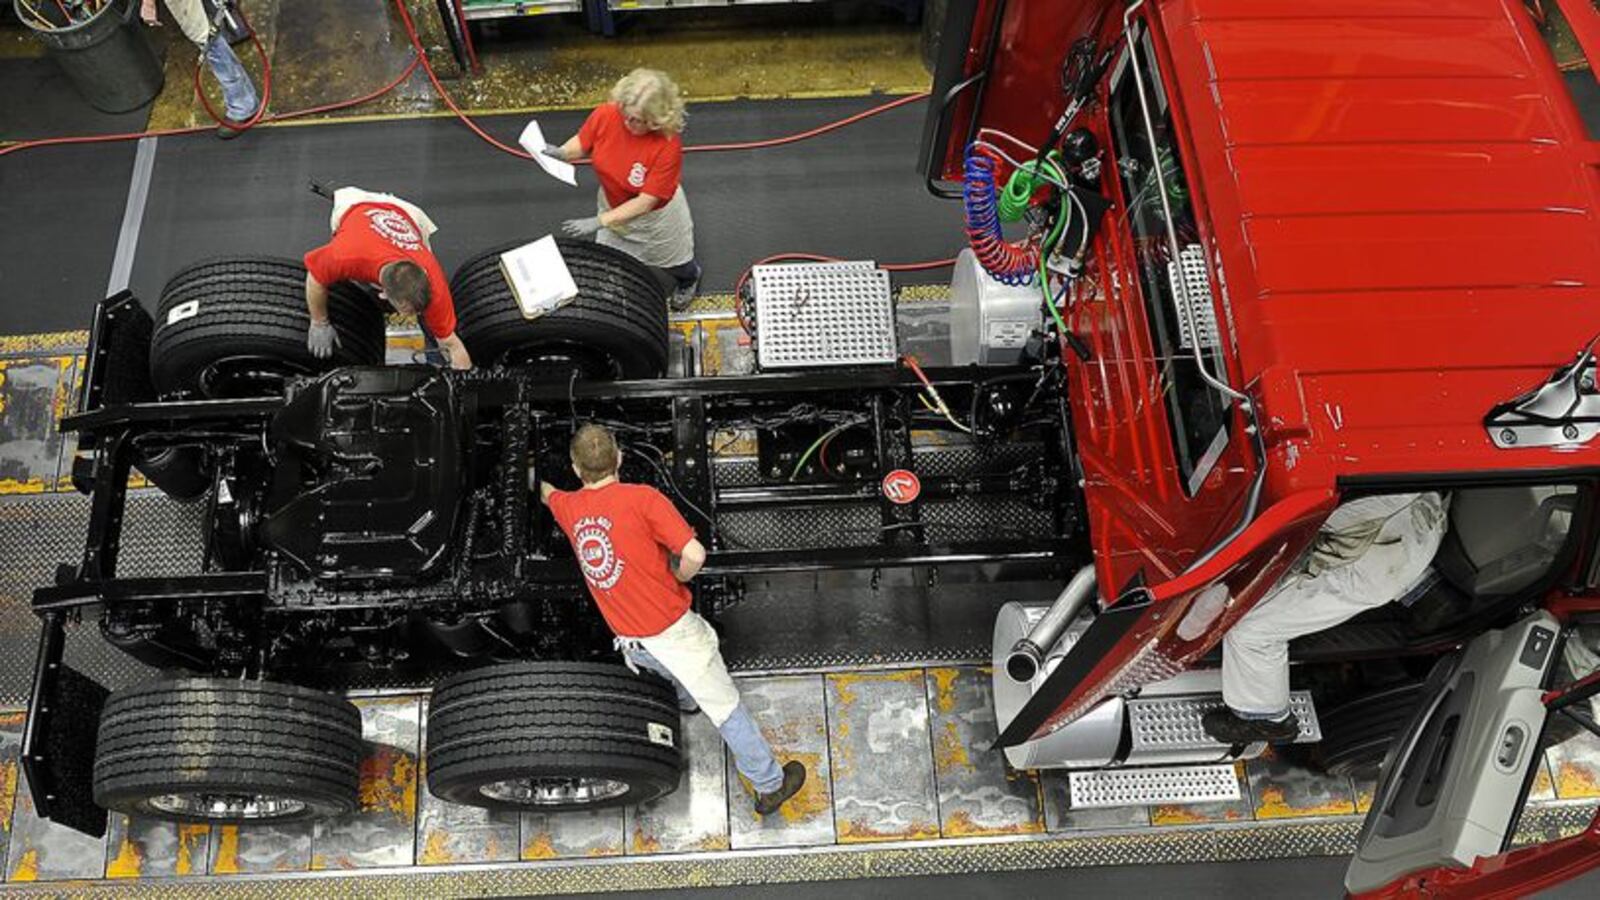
(1029,652)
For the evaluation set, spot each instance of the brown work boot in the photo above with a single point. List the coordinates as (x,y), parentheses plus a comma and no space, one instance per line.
(794,778)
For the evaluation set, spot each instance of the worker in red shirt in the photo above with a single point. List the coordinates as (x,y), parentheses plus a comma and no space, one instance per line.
(382,241)
(636,553)
(636,145)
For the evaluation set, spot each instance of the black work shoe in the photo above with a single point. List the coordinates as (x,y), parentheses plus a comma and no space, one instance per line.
(794,778)
(1225,726)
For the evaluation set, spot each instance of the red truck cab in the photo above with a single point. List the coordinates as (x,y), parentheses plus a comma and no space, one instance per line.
(1384,219)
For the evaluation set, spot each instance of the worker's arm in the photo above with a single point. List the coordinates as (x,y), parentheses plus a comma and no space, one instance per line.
(545,492)
(689,560)
(147,12)
(571,151)
(627,212)
(321,337)
(316,299)
(455,351)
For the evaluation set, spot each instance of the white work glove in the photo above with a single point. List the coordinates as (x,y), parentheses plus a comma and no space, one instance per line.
(581,228)
(554,152)
(321,339)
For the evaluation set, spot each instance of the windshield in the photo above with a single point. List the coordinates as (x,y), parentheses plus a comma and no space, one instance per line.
(1196,410)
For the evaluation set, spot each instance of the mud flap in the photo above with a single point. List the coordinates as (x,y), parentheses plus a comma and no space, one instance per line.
(58,743)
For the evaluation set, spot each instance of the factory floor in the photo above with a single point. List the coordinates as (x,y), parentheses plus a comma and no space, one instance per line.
(883,691)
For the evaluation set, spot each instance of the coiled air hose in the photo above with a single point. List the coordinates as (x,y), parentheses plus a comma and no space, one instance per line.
(1008,263)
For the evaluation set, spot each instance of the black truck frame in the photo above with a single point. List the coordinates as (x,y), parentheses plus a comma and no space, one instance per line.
(385,518)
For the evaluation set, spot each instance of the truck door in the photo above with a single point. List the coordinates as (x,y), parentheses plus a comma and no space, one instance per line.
(1453,785)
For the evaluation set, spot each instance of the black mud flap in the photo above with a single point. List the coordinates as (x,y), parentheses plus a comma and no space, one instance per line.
(58,743)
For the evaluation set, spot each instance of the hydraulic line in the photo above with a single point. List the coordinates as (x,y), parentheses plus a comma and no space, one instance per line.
(1006,262)
(420,59)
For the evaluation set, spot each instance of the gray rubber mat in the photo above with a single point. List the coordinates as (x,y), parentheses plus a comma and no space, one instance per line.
(62,213)
(851,193)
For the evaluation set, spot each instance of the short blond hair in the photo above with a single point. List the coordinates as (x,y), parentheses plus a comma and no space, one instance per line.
(594,453)
(651,95)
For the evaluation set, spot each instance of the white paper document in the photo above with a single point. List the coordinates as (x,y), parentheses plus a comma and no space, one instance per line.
(538,277)
(532,140)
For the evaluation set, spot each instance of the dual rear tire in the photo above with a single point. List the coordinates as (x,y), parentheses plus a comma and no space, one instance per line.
(523,736)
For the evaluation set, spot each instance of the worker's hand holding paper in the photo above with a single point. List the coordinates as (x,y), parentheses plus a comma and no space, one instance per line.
(532,140)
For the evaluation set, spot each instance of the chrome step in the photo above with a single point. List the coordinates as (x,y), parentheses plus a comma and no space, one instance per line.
(1172,724)
(1154,785)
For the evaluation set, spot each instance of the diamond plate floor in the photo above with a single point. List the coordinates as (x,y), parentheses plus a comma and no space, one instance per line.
(897,758)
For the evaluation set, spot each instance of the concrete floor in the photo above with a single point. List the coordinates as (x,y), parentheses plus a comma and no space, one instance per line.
(327,52)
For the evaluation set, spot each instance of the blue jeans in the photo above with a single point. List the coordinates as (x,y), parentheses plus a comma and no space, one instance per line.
(752,755)
(238,92)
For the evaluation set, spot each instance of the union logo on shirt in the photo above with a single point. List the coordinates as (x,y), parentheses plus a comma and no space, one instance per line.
(636,175)
(394,228)
(591,537)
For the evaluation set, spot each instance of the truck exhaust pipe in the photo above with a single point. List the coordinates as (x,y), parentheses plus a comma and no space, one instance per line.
(1027,655)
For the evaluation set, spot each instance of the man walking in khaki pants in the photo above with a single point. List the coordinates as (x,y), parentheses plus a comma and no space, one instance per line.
(636,552)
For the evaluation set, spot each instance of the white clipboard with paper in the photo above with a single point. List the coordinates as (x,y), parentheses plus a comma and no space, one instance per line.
(532,140)
(538,277)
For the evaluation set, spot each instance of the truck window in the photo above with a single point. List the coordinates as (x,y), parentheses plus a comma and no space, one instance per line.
(1576,69)
(1196,410)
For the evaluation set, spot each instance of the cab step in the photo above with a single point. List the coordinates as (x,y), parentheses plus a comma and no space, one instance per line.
(1154,785)
(1171,724)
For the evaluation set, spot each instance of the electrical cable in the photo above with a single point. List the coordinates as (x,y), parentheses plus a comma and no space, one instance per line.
(806,456)
(420,59)
(938,404)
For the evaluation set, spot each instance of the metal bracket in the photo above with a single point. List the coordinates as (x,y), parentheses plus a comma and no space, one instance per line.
(58,742)
(1562,412)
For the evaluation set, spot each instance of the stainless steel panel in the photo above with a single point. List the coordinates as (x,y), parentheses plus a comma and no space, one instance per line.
(881,758)
(790,711)
(382,830)
(978,795)
(695,816)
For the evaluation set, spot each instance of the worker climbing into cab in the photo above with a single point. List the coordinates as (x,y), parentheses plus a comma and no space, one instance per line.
(383,241)
(1371,551)
(637,554)
(636,145)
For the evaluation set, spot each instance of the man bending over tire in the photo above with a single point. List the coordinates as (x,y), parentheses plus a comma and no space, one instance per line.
(636,552)
(382,241)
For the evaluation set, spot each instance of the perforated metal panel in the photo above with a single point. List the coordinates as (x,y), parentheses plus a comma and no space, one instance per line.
(823,314)
(1192,261)
(1159,785)
(1173,723)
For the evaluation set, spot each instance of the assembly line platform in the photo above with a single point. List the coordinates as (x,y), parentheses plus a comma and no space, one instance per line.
(895,737)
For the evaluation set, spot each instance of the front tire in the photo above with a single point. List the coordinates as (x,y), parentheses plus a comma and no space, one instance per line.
(236,327)
(1357,735)
(615,328)
(547,737)
(223,751)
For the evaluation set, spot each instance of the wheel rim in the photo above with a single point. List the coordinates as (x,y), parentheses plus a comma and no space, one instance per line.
(554,791)
(227,807)
(246,376)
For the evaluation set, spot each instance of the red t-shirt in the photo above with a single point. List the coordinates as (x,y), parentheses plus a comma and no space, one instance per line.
(629,164)
(622,535)
(369,237)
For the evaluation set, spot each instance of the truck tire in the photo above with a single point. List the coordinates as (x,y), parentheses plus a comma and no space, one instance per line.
(553,736)
(179,472)
(1356,735)
(233,327)
(616,328)
(220,750)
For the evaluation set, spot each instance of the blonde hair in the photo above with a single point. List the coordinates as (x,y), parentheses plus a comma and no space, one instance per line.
(594,453)
(651,95)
